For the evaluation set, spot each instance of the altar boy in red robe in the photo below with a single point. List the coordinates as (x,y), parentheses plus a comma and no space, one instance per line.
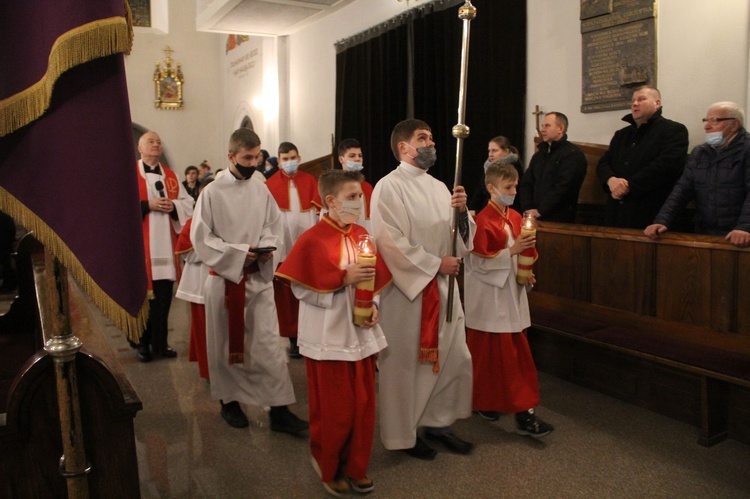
(340,356)
(296,194)
(497,311)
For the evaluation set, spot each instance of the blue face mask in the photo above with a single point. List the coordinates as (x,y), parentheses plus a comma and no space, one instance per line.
(353,166)
(502,199)
(715,139)
(290,167)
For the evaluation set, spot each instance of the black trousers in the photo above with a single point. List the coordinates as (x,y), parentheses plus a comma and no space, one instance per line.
(156,331)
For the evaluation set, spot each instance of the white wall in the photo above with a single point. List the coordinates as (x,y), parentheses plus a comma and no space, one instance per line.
(312,71)
(192,134)
(702,47)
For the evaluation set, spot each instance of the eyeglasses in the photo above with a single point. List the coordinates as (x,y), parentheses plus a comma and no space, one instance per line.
(714,121)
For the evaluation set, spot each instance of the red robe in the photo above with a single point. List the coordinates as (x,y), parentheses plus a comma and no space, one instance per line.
(367,192)
(505,377)
(307,188)
(197,350)
(341,393)
(287,306)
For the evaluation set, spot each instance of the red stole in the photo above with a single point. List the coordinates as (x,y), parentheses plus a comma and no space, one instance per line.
(430,326)
(172,186)
(491,238)
(234,301)
(307,189)
(325,240)
(184,244)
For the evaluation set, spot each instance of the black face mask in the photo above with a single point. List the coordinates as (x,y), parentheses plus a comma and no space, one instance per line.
(245,171)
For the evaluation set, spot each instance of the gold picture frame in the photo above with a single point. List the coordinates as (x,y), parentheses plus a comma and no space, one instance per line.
(168,83)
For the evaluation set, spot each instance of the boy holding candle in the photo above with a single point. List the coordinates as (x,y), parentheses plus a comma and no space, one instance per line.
(497,310)
(340,356)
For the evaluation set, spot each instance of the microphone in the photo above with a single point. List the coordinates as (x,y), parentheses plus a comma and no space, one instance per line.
(160,187)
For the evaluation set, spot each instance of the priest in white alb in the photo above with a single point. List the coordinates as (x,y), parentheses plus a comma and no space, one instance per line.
(426,373)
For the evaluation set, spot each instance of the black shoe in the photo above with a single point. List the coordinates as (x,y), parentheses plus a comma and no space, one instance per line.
(528,424)
(233,415)
(294,349)
(451,442)
(488,415)
(421,451)
(284,421)
(168,353)
(144,353)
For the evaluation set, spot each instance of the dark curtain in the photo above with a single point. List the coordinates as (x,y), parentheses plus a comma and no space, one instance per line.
(371,97)
(429,41)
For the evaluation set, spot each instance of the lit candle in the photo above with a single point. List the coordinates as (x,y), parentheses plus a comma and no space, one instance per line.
(364,291)
(527,257)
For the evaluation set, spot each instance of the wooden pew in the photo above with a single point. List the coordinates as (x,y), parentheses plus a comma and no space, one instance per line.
(30,439)
(664,325)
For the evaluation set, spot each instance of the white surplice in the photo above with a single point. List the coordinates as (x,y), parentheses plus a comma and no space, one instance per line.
(295,222)
(232,216)
(326,330)
(411,219)
(494,302)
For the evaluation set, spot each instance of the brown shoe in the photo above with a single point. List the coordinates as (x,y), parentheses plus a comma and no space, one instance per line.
(362,486)
(337,487)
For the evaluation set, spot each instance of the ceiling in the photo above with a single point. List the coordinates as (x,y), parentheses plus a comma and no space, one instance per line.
(261,17)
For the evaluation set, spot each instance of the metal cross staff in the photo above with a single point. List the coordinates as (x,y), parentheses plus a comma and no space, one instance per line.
(466,13)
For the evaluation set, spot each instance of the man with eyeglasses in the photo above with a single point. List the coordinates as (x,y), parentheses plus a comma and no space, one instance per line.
(717,176)
(643,162)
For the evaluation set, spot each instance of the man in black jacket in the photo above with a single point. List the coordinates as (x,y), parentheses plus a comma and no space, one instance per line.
(549,188)
(717,176)
(643,162)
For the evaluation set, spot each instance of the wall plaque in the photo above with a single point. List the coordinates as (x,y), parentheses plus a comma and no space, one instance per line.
(619,52)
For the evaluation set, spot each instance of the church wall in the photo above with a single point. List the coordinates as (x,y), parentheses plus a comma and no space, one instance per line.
(312,71)
(702,48)
(194,133)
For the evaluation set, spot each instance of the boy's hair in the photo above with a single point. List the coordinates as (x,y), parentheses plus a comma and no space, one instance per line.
(347,144)
(285,147)
(331,181)
(243,138)
(403,131)
(190,169)
(204,164)
(500,172)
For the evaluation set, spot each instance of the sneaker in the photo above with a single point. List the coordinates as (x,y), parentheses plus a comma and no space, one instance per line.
(488,415)
(283,420)
(337,487)
(527,423)
(362,486)
(233,415)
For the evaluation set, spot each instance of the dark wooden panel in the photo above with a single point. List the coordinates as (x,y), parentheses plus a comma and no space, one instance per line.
(743,293)
(613,274)
(606,371)
(683,292)
(557,265)
(644,256)
(723,291)
(739,414)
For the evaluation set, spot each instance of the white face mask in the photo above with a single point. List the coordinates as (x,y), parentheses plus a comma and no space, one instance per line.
(353,166)
(502,199)
(349,211)
(290,167)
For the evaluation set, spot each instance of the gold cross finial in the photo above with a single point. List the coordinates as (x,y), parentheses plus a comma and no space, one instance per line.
(168,51)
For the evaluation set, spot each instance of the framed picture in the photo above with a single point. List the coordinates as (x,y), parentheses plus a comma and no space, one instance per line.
(168,85)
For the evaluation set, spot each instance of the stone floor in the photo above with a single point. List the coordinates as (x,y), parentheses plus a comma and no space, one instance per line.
(601,447)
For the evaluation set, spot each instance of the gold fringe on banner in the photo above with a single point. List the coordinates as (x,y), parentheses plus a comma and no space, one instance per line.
(132,326)
(82,44)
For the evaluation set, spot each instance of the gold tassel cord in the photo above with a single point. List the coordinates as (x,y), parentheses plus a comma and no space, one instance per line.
(131,325)
(85,43)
